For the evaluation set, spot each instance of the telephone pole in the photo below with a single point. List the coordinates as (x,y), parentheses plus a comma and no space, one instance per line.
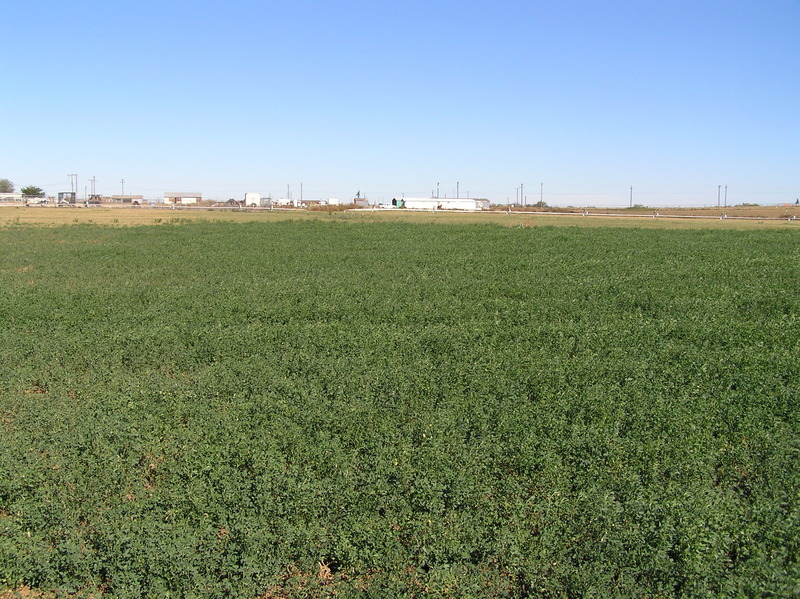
(73,187)
(123,186)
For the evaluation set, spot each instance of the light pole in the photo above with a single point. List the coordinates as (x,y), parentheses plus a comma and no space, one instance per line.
(726,196)
(719,188)
(541,194)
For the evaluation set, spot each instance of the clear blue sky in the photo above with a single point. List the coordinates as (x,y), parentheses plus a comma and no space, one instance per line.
(578,99)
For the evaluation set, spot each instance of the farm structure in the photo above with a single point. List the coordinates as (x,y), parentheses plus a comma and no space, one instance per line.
(441,203)
(253,199)
(123,199)
(180,197)
(306,202)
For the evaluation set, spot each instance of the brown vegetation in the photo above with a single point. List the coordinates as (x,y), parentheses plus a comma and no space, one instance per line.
(731,217)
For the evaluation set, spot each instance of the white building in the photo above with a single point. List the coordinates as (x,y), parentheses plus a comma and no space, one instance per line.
(441,203)
(181,197)
(254,200)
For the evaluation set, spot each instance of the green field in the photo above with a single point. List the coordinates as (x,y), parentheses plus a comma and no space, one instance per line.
(324,408)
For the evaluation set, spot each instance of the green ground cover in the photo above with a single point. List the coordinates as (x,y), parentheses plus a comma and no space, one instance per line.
(309,408)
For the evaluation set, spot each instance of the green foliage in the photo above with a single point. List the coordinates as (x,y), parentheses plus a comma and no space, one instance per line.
(6,186)
(318,408)
(32,191)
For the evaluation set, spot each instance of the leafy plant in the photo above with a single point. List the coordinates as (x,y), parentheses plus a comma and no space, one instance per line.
(320,408)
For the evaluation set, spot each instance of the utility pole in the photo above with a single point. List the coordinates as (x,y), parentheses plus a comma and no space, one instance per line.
(631,196)
(726,196)
(457,190)
(541,194)
(94,191)
(73,187)
(437,190)
(123,186)
(719,188)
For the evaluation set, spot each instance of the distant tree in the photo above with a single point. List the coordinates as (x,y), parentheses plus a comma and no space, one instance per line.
(6,186)
(32,191)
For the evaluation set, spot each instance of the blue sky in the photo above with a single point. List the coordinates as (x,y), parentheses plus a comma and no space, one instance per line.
(576,100)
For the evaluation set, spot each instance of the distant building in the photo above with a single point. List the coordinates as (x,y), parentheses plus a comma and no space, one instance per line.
(441,203)
(120,199)
(254,200)
(306,202)
(180,197)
